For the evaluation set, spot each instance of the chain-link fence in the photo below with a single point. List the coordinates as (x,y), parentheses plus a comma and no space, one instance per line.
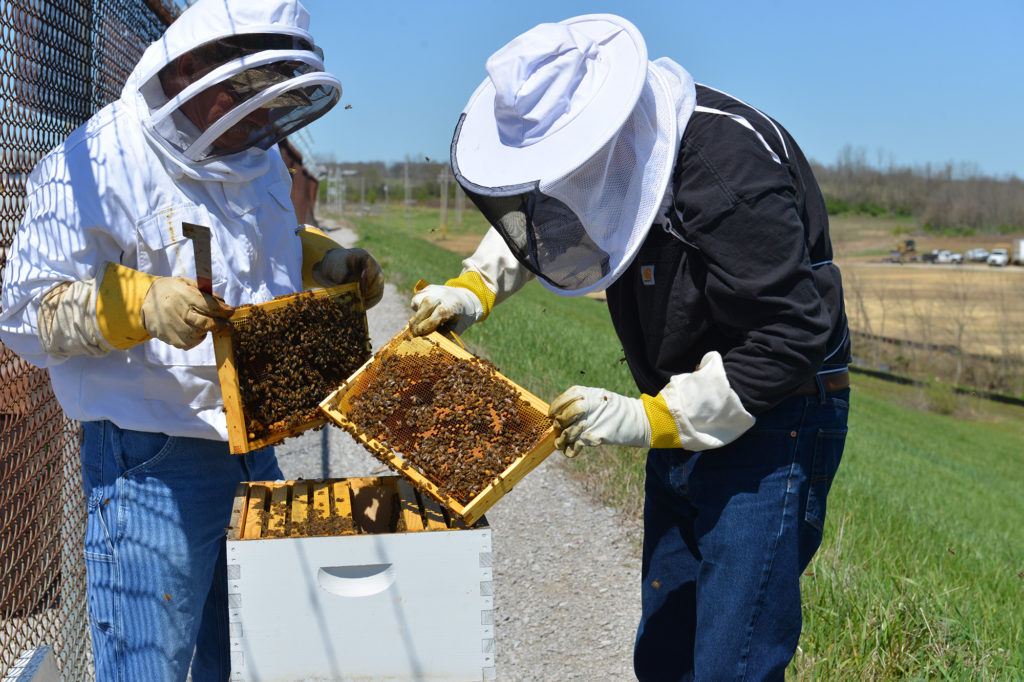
(60,61)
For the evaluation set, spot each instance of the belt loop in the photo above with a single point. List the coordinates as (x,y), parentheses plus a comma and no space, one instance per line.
(821,389)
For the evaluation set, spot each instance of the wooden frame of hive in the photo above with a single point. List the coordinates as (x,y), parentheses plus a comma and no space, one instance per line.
(360,499)
(337,405)
(239,439)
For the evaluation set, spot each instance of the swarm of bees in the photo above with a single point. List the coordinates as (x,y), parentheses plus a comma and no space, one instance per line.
(456,421)
(317,522)
(289,359)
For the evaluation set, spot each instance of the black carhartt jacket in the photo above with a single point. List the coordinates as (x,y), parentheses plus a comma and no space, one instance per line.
(748,273)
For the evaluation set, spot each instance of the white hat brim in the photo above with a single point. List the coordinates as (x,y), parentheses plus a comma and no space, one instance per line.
(484,160)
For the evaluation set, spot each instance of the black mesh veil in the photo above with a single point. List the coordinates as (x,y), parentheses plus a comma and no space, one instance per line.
(543,233)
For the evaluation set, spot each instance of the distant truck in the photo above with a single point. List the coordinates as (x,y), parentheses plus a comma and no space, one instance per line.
(943,256)
(977,255)
(999,257)
(1018,251)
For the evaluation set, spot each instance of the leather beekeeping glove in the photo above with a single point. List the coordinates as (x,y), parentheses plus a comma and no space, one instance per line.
(451,306)
(341,266)
(696,411)
(594,416)
(489,276)
(326,263)
(176,312)
(123,308)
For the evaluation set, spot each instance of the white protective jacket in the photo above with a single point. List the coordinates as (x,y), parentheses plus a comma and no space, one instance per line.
(116,192)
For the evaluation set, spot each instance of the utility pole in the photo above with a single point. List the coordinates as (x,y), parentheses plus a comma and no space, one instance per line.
(442,179)
(408,217)
(460,199)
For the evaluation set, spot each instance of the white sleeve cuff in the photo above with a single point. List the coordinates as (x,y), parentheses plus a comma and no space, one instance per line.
(707,412)
(67,321)
(497,267)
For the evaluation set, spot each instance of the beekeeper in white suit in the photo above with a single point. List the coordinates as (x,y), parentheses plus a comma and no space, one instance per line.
(701,220)
(100,289)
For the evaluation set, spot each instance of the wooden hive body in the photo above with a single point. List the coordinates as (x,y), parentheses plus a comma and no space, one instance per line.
(403,592)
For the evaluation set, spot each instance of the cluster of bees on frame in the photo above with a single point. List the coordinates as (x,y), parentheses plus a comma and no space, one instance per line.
(456,421)
(290,358)
(319,522)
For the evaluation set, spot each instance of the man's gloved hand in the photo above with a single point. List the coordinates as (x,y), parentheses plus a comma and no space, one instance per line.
(176,312)
(437,305)
(340,266)
(592,416)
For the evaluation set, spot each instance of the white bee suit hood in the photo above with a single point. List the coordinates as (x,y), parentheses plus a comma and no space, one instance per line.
(121,186)
(258,55)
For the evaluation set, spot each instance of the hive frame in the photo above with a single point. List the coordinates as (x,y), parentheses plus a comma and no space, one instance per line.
(337,404)
(227,371)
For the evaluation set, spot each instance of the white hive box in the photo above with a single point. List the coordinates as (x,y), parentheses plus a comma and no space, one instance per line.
(399,591)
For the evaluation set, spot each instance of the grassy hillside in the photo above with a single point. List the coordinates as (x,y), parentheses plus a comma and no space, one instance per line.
(921,574)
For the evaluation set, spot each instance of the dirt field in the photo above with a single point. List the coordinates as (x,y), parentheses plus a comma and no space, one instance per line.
(973,306)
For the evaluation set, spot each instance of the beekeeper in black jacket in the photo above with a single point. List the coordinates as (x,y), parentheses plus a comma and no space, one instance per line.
(701,220)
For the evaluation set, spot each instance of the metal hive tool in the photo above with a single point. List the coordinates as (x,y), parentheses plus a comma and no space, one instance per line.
(446,420)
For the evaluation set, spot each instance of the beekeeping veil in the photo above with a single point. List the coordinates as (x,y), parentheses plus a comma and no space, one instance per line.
(568,146)
(230,78)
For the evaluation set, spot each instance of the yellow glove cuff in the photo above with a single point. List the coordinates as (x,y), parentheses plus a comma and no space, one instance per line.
(471,280)
(119,305)
(314,245)
(664,433)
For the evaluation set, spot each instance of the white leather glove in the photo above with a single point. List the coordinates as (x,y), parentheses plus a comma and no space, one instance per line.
(437,305)
(340,266)
(592,416)
(176,312)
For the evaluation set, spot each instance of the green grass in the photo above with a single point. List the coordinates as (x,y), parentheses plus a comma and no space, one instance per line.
(921,573)
(424,221)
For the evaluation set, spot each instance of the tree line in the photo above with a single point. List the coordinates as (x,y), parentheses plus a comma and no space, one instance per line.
(953,198)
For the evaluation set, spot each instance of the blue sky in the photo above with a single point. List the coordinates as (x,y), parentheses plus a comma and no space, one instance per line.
(905,83)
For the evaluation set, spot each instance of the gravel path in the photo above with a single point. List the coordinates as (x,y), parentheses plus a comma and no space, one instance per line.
(566,572)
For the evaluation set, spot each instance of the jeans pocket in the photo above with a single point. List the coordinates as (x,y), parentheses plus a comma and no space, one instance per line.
(142,451)
(828,450)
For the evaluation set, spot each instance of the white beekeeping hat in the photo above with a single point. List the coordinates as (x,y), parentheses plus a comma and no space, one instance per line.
(567,148)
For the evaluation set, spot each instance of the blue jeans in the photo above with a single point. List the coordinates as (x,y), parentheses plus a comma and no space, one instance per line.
(155,550)
(727,534)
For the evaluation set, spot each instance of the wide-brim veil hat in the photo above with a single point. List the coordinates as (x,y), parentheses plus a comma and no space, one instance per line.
(573,109)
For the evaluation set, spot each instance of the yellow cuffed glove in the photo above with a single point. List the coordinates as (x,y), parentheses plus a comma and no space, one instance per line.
(133,306)
(341,266)
(325,263)
(456,305)
(587,416)
(177,312)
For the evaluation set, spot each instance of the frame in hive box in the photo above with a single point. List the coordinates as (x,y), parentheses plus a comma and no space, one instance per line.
(358,578)
(277,360)
(404,356)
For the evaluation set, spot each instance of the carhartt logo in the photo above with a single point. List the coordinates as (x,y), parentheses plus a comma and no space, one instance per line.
(647,275)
